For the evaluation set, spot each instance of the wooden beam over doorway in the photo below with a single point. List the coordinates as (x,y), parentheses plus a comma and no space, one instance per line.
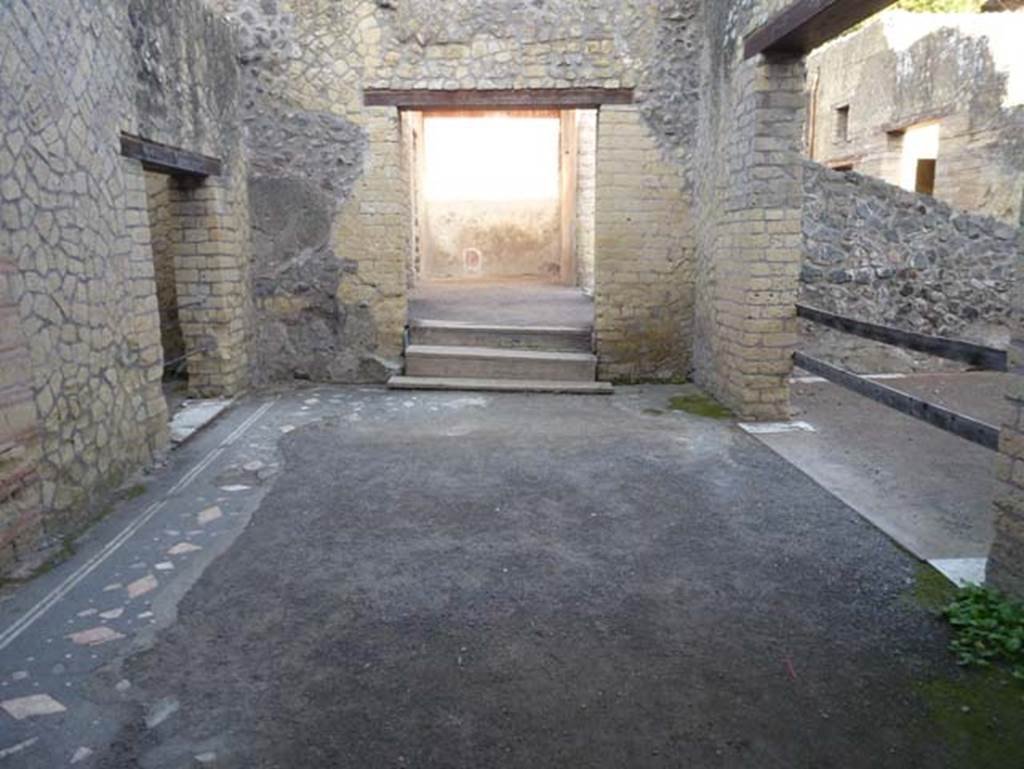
(169,160)
(806,24)
(503,98)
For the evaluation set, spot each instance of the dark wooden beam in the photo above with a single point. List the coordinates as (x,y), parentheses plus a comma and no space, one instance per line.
(806,24)
(505,98)
(961,425)
(169,160)
(989,358)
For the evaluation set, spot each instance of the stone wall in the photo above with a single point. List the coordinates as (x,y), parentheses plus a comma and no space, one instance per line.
(749,196)
(493,239)
(210,242)
(162,231)
(74,75)
(644,276)
(963,71)
(331,277)
(20,488)
(1006,561)
(877,253)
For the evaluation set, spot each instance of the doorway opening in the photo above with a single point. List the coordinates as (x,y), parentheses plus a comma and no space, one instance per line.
(177,228)
(182,217)
(163,230)
(492,196)
(503,207)
(501,270)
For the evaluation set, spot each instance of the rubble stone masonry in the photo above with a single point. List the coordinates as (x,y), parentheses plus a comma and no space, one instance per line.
(878,253)
(20,488)
(80,397)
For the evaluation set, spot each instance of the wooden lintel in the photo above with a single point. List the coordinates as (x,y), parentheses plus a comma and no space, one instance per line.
(806,24)
(510,98)
(169,160)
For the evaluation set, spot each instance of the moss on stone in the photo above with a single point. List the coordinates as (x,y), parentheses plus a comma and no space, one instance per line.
(54,557)
(699,404)
(63,552)
(931,589)
(132,492)
(980,716)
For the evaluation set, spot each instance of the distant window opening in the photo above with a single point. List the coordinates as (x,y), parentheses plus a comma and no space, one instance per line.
(918,158)
(843,167)
(843,123)
(925,179)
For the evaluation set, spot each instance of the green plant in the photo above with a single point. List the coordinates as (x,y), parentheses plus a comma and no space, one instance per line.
(989,627)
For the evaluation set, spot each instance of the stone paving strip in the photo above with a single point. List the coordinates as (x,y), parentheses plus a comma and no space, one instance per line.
(142,586)
(30,639)
(769,428)
(34,705)
(209,515)
(18,748)
(95,636)
(183,548)
(962,571)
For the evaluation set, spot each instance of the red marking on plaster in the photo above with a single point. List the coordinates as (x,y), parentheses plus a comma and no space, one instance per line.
(790,668)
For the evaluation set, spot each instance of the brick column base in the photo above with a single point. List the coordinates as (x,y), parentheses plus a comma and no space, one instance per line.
(1006,561)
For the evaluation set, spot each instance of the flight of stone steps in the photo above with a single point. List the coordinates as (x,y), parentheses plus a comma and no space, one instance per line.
(445,355)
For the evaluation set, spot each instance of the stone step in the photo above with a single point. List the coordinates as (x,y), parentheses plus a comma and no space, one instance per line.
(498,385)
(493,363)
(541,338)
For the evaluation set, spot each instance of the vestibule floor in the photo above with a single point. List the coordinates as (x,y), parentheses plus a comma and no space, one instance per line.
(505,303)
(351,577)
